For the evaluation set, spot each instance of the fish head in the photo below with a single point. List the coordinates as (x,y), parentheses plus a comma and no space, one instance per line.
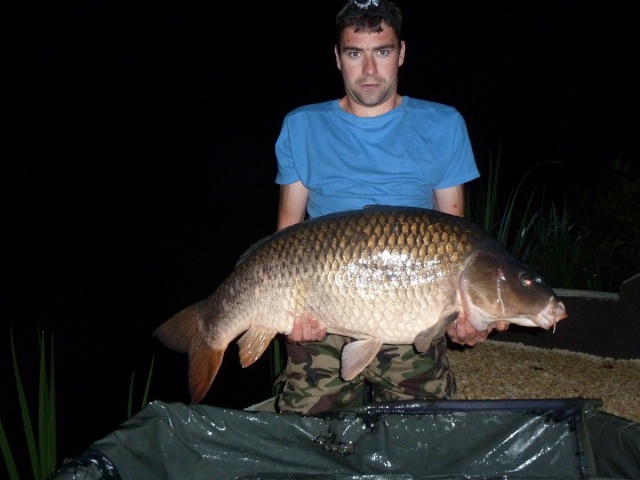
(497,287)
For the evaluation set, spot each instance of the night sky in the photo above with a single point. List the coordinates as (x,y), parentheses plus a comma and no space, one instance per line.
(138,157)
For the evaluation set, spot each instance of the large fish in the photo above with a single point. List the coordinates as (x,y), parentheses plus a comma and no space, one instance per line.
(394,275)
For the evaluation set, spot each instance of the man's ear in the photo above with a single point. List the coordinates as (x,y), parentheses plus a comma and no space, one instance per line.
(402,52)
(335,51)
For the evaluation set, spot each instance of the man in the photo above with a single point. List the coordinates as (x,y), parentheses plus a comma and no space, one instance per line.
(372,146)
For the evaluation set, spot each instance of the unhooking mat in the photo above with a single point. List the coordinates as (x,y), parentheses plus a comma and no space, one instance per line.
(501,439)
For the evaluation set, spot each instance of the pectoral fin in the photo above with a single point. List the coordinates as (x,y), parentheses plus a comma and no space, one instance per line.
(423,339)
(253,344)
(357,355)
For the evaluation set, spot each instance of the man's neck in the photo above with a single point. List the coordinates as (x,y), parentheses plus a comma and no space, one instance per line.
(350,106)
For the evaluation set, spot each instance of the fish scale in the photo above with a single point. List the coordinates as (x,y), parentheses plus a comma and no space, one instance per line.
(397,275)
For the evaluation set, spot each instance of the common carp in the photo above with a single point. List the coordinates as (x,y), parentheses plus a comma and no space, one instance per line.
(381,275)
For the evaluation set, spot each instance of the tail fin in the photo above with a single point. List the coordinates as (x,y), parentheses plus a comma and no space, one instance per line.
(182,334)
(180,331)
(204,364)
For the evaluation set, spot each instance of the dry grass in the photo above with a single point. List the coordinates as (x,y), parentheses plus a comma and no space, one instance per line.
(506,370)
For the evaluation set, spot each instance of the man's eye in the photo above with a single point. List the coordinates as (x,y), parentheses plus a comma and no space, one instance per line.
(383,53)
(354,54)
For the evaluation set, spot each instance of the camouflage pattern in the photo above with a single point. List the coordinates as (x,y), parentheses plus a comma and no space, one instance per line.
(313,383)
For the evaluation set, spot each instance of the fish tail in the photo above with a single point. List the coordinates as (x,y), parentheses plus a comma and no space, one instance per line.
(204,363)
(182,334)
(181,331)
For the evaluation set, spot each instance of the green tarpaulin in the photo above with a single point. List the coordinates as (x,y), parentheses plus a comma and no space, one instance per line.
(502,439)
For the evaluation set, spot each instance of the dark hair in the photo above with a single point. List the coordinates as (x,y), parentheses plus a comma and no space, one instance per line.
(368,18)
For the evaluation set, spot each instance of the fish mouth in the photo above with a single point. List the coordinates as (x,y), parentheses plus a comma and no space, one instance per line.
(552,314)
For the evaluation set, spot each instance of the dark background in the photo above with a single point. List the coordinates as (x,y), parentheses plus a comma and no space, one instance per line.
(138,158)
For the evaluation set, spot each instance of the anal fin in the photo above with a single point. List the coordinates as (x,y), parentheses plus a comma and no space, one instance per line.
(357,355)
(253,343)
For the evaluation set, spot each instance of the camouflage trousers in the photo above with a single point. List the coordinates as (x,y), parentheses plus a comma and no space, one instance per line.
(313,383)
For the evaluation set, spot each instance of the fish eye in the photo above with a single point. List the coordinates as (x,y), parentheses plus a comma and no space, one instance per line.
(527,280)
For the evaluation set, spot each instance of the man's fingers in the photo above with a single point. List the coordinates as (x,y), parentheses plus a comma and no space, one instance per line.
(307,328)
(501,326)
(463,333)
(296,332)
(322,332)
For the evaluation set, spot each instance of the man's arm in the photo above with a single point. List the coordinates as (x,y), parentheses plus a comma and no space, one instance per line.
(293,204)
(451,200)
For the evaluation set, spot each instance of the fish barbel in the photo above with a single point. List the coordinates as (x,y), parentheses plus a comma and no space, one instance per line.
(381,275)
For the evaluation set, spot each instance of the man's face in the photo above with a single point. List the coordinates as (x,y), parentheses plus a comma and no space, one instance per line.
(369,63)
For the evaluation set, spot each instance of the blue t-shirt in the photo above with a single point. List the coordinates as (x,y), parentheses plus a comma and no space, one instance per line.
(398,158)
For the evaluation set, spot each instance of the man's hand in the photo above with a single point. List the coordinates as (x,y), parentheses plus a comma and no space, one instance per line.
(462,332)
(307,328)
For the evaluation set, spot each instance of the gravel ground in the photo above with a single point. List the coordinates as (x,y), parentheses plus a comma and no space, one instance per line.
(507,370)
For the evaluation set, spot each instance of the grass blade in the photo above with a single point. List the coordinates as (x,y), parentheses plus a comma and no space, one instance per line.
(43,411)
(26,418)
(7,455)
(51,415)
(145,397)
(130,401)
(276,361)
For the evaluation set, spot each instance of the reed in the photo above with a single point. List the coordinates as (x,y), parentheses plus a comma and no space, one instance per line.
(41,442)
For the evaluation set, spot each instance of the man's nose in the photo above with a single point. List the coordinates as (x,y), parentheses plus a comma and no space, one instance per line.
(369,65)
